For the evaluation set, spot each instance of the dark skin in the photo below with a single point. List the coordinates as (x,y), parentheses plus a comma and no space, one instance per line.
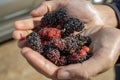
(105,42)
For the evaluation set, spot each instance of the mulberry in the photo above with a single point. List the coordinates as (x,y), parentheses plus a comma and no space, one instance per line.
(74,58)
(49,33)
(53,55)
(71,25)
(34,42)
(62,61)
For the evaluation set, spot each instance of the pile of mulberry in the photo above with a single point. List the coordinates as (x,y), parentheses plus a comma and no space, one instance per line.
(56,40)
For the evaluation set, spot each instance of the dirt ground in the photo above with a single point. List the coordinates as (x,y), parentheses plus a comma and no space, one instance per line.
(14,67)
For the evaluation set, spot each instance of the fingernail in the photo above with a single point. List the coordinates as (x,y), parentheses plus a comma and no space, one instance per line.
(64,75)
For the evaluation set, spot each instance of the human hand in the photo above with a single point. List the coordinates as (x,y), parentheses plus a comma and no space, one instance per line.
(81,9)
(105,48)
(90,14)
(50,70)
(41,64)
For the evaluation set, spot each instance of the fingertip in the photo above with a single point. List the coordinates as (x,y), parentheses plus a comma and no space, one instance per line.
(24,24)
(16,35)
(19,35)
(26,50)
(18,25)
(39,11)
(34,13)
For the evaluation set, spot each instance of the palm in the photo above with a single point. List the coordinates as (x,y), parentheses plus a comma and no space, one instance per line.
(105,40)
(105,48)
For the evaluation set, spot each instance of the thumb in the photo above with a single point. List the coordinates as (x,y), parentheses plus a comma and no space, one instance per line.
(47,6)
(41,64)
(73,72)
(82,71)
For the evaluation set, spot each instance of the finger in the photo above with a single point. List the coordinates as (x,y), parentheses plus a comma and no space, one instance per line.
(47,6)
(73,72)
(39,62)
(27,24)
(18,34)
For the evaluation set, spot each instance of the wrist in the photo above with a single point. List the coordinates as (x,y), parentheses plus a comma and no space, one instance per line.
(108,15)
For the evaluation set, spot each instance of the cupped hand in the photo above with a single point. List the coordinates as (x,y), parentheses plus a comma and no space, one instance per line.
(105,41)
(105,47)
(36,60)
(81,9)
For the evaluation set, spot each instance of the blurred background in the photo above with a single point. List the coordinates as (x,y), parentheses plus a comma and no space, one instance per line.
(12,65)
